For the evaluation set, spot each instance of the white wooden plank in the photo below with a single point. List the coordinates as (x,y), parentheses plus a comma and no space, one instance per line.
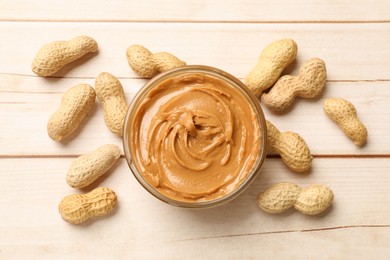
(356,226)
(26,104)
(351,51)
(196,10)
(356,243)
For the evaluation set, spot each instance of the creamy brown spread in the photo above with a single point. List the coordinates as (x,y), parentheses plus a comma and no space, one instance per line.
(195,137)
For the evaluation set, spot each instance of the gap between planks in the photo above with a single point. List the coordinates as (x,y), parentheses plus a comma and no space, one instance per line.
(194,21)
(288,231)
(122,77)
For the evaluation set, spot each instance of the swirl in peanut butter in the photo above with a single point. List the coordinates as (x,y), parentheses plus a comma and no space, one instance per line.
(195,138)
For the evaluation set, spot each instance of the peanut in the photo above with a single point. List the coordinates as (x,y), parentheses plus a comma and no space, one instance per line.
(147,64)
(282,196)
(78,208)
(110,93)
(88,168)
(291,147)
(314,199)
(344,114)
(53,56)
(273,60)
(75,105)
(279,197)
(309,83)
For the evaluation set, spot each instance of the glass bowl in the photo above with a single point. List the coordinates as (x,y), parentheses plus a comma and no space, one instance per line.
(209,72)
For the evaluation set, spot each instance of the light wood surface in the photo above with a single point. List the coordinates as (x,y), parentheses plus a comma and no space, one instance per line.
(198,11)
(351,36)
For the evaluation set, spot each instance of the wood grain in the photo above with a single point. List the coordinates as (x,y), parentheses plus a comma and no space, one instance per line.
(197,11)
(350,36)
(142,226)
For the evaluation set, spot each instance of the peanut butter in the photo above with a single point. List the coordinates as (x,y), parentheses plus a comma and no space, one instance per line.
(194,137)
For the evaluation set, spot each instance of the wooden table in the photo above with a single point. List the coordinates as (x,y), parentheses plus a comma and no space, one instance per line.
(352,37)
